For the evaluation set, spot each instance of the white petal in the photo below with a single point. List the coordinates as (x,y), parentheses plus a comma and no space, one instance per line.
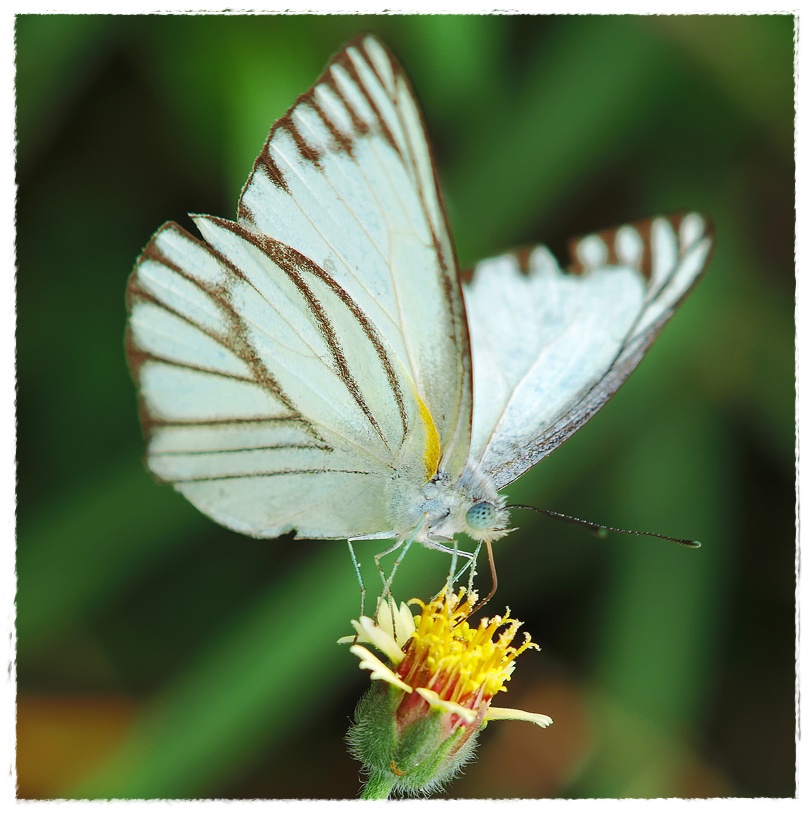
(447,706)
(403,621)
(368,661)
(371,633)
(505,714)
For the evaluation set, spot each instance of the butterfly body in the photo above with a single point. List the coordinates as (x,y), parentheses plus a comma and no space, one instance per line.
(319,366)
(440,509)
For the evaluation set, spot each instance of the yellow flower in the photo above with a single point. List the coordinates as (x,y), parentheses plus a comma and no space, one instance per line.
(418,725)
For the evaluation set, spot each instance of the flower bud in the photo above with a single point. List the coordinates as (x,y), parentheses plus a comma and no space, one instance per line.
(417,725)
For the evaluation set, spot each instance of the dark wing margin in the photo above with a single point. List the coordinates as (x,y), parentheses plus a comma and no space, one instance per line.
(574,336)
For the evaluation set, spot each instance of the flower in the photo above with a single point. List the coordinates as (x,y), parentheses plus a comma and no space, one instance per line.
(417,726)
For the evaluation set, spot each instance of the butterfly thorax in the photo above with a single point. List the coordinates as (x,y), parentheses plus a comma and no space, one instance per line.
(438,510)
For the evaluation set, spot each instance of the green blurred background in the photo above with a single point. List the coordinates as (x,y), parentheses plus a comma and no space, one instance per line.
(162,656)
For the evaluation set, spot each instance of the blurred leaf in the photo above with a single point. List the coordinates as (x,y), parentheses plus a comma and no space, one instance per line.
(663,615)
(505,178)
(101,535)
(270,671)
(56,56)
(467,52)
(750,58)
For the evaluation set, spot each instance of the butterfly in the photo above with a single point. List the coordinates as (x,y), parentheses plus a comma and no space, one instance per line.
(319,366)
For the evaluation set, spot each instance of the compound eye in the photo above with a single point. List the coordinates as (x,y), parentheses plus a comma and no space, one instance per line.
(481,516)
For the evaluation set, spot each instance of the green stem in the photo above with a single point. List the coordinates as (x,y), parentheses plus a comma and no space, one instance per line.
(378,787)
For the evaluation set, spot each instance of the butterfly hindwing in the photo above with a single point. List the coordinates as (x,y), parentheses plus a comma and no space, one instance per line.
(248,398)
(550,347)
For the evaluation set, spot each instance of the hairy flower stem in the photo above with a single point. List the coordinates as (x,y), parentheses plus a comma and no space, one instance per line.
(378,787)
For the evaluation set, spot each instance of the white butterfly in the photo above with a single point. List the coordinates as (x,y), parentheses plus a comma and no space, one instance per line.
(317,366)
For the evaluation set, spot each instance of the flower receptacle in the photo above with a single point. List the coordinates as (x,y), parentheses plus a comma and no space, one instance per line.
(405,745)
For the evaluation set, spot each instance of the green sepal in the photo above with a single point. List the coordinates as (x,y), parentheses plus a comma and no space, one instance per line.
(417,761)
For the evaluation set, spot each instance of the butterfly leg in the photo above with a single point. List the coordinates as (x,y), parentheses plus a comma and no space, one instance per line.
(452,575)
(471,557)
(380,535)
(388,580)
(360,578)
(455,552)
(406,544)
(474,559)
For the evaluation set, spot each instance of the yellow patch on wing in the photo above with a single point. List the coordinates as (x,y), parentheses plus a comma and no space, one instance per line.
(432,447)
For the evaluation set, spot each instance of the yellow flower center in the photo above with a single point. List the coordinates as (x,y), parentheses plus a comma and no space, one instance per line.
(462,664)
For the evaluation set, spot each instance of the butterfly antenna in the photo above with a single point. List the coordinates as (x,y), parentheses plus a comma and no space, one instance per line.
(602,531)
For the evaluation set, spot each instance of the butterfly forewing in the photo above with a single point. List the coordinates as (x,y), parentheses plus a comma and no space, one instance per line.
(290,362)
(550,347)
(346,179)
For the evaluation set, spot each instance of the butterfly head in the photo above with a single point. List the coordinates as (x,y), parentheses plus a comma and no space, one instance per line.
(476,508)
(479,518)
(482,512)
(486,520)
